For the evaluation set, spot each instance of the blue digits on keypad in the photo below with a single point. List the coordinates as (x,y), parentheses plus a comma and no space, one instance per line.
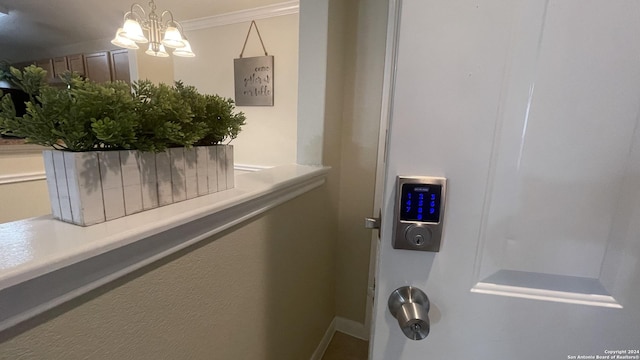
(419,216)
(432,204)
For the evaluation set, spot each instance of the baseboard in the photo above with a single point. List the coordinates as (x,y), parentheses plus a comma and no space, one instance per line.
(344,325)
(353,328)
(324,343)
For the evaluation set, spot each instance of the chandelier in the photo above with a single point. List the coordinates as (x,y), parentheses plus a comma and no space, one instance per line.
(161,34)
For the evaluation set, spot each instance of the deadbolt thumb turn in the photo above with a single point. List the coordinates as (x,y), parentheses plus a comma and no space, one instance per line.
(410,306)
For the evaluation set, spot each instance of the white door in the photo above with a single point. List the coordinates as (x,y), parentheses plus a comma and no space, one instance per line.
(530,109)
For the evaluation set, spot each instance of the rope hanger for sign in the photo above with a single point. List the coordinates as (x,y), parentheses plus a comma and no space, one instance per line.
(253,23)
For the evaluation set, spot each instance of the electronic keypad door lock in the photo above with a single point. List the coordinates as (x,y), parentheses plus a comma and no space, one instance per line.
(419,211)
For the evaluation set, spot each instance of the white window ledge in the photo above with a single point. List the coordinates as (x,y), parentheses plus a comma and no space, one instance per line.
(45,262)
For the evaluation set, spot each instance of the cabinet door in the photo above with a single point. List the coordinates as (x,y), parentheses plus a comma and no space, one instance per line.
(76,63)
(47,64)
(22,65)
(120,65)
(60,65)
(98,66)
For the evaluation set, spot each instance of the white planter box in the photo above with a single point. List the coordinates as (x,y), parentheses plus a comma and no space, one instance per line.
(230,172)
(163,174)
(202,169)
(178,180)
(131,181)
(87,188)
(149,178)
(218,171)
(190,173)
(112,185)
(212,169)
(75,186)
(221,162)
(60,175)
(52,185)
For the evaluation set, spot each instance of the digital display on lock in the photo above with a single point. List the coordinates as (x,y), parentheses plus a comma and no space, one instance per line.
(421,202)
(419,213)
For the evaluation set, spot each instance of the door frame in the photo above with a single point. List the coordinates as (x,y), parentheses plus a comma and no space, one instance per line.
(386,109)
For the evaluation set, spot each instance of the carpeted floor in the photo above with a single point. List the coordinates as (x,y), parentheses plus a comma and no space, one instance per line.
(345,347)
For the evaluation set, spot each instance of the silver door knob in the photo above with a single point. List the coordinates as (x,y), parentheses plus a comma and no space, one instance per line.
(410,306)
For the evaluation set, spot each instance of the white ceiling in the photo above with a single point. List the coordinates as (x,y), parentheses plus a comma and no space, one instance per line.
(37,29)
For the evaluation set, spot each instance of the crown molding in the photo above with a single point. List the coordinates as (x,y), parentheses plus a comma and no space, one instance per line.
(263,12)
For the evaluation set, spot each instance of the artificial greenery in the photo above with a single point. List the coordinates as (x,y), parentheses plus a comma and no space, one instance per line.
(83,116)
(32,82)
(86,116)
(164,119)
(214,113)
(5,71)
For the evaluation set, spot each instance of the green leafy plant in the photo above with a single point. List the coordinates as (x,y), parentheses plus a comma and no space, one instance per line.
(82,116)
(165,118)
(32,81)
(89,116)
(5,71)
(215,113)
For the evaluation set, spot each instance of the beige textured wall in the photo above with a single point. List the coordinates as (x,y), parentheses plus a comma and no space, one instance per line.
(25,199)
(156,69)
(261,291)
(337,43)
(269,137)
(354,89)
(365,66)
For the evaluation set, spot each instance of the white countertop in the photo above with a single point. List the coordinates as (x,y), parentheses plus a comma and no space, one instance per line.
(33,247)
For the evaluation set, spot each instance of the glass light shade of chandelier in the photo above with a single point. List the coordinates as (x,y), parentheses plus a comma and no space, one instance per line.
(123,42)
(172,38)
(184,51)
(159,32)
(133,31)
(157,50)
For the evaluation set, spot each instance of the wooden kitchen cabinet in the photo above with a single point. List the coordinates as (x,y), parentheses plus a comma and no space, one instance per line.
(120,65)
(76,63)
(60,65)
(22,65)
(47,64)
(97,66)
